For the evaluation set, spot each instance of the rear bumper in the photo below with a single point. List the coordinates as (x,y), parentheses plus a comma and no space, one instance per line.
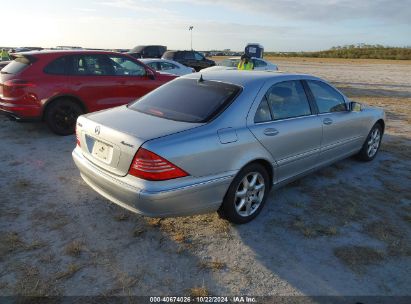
(20,111)
(199,197)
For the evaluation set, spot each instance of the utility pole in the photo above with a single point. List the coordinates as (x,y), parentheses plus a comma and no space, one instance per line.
(190,28)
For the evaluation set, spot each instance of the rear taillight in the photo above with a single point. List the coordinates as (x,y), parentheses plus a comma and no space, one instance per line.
(78,137)
(15,87)
(18,83)
(148,165)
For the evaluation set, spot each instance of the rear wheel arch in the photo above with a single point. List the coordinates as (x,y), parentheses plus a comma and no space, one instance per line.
(267,166)
(72,98)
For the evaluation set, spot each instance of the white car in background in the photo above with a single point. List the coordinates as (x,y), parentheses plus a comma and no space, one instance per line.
(168,66)
(231,64)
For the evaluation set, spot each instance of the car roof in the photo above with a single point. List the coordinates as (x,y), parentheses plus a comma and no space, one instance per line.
(248,78)
(64,52)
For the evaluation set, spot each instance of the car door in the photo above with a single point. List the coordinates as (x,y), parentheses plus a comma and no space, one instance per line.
(286,125)
(133,78)
(342,128)
(189,60)
(92,79)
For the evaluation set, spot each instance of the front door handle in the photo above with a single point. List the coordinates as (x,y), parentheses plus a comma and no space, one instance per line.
(327,121)
(271,132)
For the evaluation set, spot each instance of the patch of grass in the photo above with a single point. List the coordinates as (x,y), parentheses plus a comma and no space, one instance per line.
(313,230)
(198,292)
(154,222)
(74,248)
(138,231)
(179,237)
(15,163)
(120,217)
(31,283)
(392,235)
(37,244)
(46,258)
(407,218)
(357,256)
(383,231)
(22,184)
(212,265)
(71,270)
(9,242)
(53,219)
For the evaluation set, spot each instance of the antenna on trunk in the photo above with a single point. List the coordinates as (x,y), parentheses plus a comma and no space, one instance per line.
(201,78)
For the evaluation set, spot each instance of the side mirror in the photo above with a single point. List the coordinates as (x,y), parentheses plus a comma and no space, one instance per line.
(150,74)
(355,106)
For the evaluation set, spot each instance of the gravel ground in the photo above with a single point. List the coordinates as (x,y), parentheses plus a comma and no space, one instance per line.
(344,230)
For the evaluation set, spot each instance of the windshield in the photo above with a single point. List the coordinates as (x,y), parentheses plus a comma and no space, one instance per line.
(232,63)
(188,100)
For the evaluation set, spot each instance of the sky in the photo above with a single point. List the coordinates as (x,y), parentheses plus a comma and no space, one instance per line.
(279,25)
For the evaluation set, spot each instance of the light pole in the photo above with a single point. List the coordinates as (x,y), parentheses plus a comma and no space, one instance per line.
(190,28)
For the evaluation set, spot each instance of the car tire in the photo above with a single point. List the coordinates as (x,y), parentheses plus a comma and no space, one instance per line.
(372,144)
(246,195)
(61,116)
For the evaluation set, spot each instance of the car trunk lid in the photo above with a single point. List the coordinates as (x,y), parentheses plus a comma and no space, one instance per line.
(111,138)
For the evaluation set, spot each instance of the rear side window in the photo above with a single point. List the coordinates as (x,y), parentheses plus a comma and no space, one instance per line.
(164,66)
(188,100)
(16,66)
(188,55)
(287,100)
(327,98)
(259,63)
(57,66)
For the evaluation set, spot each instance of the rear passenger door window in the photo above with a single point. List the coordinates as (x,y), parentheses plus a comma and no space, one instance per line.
(287,100)
(327,98)
(94,65)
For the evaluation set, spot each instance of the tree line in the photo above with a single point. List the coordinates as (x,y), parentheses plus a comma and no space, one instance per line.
(359,51)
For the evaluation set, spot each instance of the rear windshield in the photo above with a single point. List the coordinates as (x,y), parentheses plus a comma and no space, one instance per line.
(188,100)
(16,66)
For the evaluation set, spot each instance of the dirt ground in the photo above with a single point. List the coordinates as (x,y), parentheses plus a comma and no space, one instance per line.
(344,230)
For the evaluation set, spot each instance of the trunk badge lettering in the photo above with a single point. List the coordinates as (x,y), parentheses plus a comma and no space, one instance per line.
(127,144)
(97,130)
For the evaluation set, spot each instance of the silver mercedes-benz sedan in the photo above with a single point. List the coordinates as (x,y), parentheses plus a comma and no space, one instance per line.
(220,141)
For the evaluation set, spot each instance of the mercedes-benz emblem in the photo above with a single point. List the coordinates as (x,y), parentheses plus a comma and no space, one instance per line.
(97,130)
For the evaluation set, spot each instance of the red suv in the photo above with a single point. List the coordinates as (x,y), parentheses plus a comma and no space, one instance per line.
(58,86)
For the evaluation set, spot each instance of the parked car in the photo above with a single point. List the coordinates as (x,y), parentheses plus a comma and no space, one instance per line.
(4,63)
(148,51)
(221,140)
(58,86)
(232,63)
(168,66)
(191,59)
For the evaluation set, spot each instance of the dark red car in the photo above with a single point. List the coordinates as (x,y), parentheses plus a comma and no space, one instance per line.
(58,86)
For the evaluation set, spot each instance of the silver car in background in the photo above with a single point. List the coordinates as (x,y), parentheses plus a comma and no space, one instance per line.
(168,66)
(220,141)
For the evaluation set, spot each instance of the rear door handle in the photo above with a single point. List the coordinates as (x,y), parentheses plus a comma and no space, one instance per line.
(327,121)
(271,132)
